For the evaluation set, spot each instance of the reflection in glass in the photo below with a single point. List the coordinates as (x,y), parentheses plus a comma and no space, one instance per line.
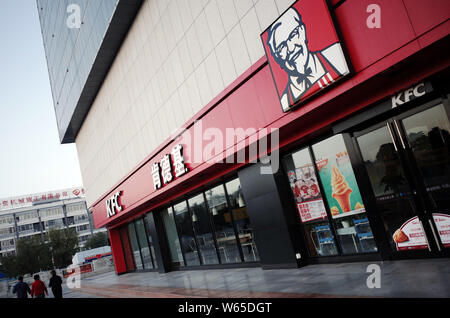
(150,241)
(309,203)
(240,216)
(172,237)
(135,246)
(225,235)
(343,196)
(392,192)
(145,250)
(188,243)
(203,232)
(428,134)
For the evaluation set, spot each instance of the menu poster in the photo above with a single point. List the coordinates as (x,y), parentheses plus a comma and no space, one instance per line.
(442,222)
(306,191)
(339,183)
(312,210)
(410,236)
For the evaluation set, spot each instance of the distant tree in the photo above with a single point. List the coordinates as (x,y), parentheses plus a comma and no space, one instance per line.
(32,255)
(97,240)
(63,244)
(9,265)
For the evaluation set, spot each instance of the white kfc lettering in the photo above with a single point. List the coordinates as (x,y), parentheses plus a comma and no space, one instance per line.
(112,204)
(408,94)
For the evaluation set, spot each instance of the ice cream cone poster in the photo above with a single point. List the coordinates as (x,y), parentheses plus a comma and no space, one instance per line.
(410,236)
(338,178)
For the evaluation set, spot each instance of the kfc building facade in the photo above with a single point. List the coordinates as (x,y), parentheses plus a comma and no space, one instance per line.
(267,133)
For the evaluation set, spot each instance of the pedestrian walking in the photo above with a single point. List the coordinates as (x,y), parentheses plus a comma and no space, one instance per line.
(56,285)
(21,289)
(38,289)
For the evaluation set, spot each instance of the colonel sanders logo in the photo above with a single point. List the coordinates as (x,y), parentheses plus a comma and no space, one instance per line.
(301,67)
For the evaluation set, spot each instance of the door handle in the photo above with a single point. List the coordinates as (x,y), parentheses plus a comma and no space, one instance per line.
(425,234)
(392,136)
(434,234)
(399,134)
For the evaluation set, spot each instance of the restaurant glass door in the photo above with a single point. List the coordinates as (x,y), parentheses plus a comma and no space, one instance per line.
(407,161)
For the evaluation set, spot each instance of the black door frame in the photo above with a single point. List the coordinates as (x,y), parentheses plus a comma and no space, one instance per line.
(429,209)
(412,173)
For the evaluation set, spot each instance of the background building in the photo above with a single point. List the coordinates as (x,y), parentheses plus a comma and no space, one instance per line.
(370,148)
(36,214)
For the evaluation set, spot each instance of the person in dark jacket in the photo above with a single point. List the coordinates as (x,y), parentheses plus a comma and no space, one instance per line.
(38,289)
(22,289)
(55,284)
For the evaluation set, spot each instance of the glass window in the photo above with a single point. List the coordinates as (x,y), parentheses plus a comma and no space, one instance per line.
(343,196)
(428,135)
(240,216)
(202,228)
(172,237)
(135,246)
(225,235)
(183,220)
(149,238)
(145,249)
(308,200)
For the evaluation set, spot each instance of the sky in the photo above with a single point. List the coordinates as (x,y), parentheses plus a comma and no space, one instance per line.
(32,160)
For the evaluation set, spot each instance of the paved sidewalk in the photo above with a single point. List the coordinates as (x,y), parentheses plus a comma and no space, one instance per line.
(408,278)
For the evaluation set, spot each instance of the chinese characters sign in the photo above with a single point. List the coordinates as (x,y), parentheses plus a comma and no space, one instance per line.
(170,167)
(28,200)
(312,210)
(304,52)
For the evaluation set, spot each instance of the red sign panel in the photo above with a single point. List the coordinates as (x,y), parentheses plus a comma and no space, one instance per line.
(304,52)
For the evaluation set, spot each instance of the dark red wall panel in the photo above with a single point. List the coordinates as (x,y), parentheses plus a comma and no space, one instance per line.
(425,15)
(117,252)
(366,46)
(126,247)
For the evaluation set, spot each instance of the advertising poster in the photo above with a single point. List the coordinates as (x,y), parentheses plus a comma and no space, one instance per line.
(338,179)
(307,193)
(442,222)
(304,52)
(410,236)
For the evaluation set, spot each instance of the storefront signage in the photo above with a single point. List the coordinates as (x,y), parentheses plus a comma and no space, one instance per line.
(386,105)
(170,167)
(28,200)
(304,52)
(442,222)
(113,205)
(410,94)
(410,236)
